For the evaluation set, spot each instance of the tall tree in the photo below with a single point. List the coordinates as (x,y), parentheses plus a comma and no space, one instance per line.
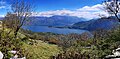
(21,12)
(113,7)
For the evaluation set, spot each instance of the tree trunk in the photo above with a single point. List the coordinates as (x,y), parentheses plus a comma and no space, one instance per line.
(16,32)
(117,17)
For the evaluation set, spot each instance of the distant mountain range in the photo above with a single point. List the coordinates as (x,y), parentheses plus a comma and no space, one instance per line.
(101,23)
(76,23)
(1,18)
(55,20)
(73,22)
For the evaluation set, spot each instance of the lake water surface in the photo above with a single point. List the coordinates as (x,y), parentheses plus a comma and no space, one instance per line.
(53,30)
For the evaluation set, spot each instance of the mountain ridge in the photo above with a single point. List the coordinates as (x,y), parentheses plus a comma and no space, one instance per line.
(56,20)
(101,23)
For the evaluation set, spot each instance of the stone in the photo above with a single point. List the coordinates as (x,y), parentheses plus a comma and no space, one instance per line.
(116,54)
(1,55)
(12,51)
(15,56)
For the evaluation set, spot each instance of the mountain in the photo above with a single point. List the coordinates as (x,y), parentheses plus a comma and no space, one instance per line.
(55,20)
(101,23)
(1,18)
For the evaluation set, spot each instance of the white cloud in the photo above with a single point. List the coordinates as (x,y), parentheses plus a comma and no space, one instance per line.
(92,8)
(2,7)
(51,13)
(92,11)
(2,15)
(88,12)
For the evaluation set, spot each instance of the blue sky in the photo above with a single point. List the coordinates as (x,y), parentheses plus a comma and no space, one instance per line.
(47,7)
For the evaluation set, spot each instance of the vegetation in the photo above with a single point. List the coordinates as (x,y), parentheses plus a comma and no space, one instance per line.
(95,48)
(50,46)
(81,46)
(34,45)
(30,48)
(40,50)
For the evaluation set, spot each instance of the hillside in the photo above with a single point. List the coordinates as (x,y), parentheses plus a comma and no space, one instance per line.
(41,50)
(35,45)
(31,48)
(101,23)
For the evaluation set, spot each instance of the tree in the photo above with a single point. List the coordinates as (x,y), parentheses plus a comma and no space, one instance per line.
(113,7)
(21,12)
(11,21)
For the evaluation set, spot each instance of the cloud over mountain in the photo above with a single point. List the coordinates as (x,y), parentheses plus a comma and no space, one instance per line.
(88,12)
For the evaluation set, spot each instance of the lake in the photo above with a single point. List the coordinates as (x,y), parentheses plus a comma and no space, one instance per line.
(53,30)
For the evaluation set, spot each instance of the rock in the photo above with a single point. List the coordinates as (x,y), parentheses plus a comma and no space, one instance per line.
(1,55)
(116,54)
(12,51)
(16,57)
(22,58)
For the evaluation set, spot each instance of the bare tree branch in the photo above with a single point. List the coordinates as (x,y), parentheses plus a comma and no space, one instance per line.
(113,7)
(23,10)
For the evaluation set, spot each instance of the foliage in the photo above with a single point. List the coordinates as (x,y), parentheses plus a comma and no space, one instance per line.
(7,43)
(27,47)
(40,50)
(48,45)
(101,45)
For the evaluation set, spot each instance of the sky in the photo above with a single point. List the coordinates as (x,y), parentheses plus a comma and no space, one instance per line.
(81,8)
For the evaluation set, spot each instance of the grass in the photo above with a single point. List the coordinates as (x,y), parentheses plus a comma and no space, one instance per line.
(41,50)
